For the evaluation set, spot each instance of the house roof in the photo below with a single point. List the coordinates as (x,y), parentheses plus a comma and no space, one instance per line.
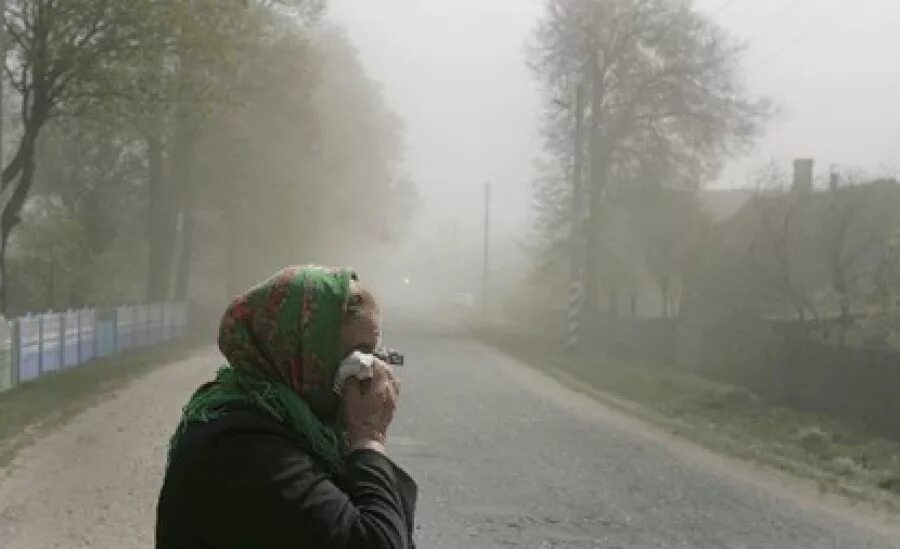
(722,204)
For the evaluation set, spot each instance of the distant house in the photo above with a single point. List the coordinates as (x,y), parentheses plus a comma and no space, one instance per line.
(811,253)
(722,204)
(644,298)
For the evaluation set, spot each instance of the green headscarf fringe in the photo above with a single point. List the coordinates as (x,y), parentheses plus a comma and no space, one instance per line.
(233,386)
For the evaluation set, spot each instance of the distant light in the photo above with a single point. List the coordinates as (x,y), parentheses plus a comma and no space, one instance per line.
(406,281)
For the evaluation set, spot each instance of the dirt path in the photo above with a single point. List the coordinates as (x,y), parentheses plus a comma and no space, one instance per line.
(94,482)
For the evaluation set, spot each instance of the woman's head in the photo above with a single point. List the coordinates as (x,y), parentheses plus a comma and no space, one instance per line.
(296,327)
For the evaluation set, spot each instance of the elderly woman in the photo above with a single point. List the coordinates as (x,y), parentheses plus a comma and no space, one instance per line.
(268,455)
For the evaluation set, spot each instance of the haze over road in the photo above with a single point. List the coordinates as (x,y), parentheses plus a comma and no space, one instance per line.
(503,457)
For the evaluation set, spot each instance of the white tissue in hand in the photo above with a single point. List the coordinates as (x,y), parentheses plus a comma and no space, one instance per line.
(358,365)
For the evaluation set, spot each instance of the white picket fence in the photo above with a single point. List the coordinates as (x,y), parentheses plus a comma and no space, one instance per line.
(36,345)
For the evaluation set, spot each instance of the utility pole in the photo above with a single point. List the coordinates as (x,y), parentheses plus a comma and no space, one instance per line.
(2,87)
(834,178)
(485,265)
(576,290)
(6,193)
(2,74)
(599,160)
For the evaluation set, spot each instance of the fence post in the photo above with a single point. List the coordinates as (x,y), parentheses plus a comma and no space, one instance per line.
(40,345)
(78,337)
(119,338)
(140,330)
(137,331)
(165,322)
(151,326)
(134,331)
(160,323)
(90,319)
(95,344)
(573,329)
(135,327)
(61,338)
(148,324)
(132,326)
(14,347)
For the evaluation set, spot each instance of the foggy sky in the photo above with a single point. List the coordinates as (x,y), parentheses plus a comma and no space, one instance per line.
(454,71)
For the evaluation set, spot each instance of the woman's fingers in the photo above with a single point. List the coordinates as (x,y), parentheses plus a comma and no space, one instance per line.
(370,404)
(383,372)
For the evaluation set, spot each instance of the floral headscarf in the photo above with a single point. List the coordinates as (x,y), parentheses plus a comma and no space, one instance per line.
(283,346)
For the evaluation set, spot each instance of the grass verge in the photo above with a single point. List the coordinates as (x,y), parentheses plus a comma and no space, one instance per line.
(841,456)
(32,409)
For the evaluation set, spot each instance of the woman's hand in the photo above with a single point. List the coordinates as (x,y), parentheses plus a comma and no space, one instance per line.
(369,407)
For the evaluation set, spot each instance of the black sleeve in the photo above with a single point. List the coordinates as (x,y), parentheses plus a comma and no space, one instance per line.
(293,502)
(376,511)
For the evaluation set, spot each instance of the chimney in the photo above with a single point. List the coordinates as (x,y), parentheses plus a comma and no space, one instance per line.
(803,175)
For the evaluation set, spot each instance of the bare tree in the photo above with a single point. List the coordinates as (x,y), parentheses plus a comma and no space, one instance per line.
(671,227)
(854,232)
(772,252)
(887,281)
(663,85)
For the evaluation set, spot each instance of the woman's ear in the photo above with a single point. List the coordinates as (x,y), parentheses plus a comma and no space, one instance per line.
(360,300)
(354,299)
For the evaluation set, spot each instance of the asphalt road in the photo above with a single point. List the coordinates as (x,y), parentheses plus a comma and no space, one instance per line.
(507,458)
(503,457)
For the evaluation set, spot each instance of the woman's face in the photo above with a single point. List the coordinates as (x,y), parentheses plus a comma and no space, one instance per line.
(362,330)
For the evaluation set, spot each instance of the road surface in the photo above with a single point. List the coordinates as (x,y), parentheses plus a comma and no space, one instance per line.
(504,458)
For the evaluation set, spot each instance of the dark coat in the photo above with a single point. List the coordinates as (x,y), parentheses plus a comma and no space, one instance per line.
(245,481)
